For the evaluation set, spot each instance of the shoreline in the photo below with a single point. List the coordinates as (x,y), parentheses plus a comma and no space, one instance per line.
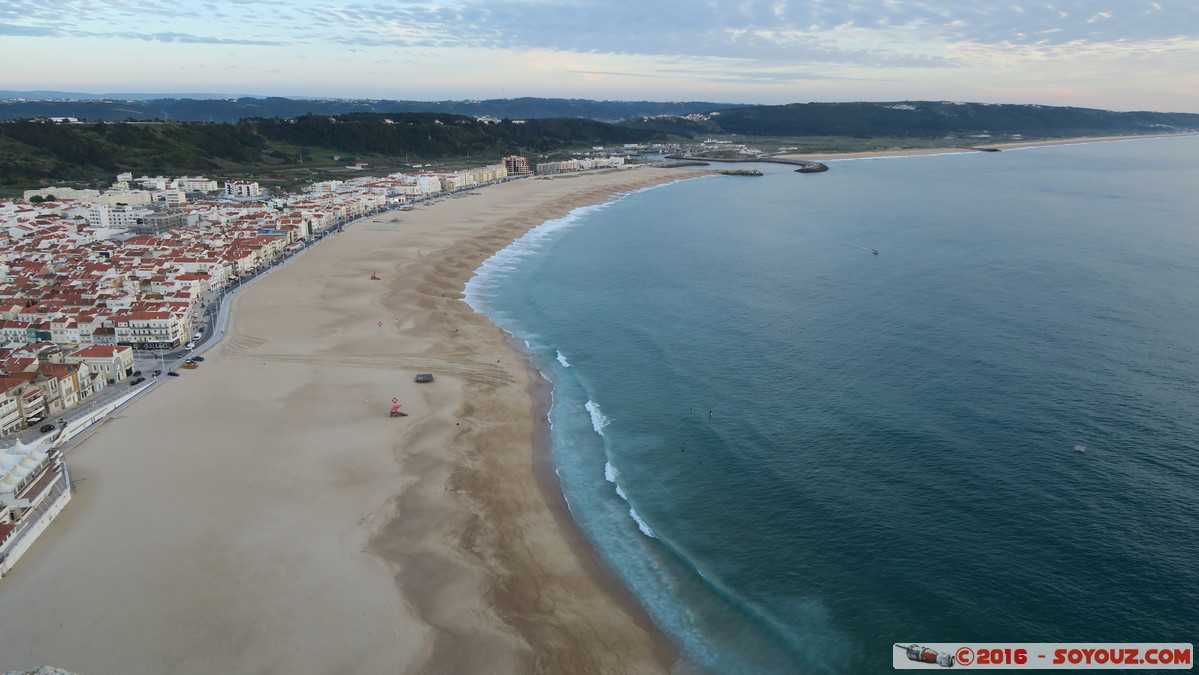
(264,514)
(666,653)
(585,620)
(1010,145)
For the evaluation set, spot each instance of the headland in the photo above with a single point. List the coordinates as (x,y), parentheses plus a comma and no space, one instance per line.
(981,147)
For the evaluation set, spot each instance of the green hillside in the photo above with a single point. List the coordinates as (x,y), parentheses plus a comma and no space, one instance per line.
(918,119)
(33,152)
(116,108)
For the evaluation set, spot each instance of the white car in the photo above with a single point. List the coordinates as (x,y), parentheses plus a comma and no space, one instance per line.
(190,345)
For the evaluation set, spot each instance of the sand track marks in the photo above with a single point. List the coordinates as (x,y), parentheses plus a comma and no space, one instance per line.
(449,365)
(240,344)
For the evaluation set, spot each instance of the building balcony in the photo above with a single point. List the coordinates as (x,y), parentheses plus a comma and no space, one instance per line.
(29,402)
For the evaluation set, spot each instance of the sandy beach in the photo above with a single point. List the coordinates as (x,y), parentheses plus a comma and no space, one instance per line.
(907,152)
(264,514)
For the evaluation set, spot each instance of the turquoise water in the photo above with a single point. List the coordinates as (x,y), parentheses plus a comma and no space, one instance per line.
(796,453)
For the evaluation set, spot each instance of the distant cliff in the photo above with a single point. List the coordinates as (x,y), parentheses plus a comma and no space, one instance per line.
(924,119)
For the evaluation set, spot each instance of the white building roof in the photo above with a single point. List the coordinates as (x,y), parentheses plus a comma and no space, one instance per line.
(17,462)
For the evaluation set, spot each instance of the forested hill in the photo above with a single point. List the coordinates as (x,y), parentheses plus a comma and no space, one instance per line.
(31,151)
(435,135)
(924,119)
(900,119)
(116,109)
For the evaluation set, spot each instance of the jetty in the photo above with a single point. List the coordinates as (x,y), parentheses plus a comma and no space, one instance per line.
(805,166)
(678,163)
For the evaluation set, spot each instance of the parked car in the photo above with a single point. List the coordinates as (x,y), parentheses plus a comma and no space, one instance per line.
(173,374)
(190,364)
(424,377)
(46,428)
(197,358)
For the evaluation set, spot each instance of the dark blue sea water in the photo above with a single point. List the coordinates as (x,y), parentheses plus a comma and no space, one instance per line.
(797,453)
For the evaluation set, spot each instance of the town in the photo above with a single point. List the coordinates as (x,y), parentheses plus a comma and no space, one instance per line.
(99,288)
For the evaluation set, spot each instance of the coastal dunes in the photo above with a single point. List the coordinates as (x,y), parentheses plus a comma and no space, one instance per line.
(263,513)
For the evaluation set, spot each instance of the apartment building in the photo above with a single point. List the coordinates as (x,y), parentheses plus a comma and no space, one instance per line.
(151,330)
(517,166)
(111,362)
(24,402)
(242,188)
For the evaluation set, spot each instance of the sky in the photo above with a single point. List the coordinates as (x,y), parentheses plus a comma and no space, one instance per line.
(1110,54)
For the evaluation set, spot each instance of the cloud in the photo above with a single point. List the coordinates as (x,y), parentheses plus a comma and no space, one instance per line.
(194,39)
(871,33)
(894,33)
(27,31)
(944,46)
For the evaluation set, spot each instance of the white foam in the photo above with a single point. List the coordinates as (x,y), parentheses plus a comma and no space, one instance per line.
(563,361)
(598,420)
(508,259)
(610,475)
(479,287)
(641,524)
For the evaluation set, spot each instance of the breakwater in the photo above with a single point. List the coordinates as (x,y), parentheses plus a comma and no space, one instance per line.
(805,166)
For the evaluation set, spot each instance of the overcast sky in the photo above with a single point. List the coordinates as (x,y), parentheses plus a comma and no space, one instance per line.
(1113,54)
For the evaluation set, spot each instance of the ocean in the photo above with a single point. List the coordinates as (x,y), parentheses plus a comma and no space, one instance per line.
(797,453)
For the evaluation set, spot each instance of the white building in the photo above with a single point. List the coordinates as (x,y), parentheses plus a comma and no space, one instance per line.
(118,216)
(61,193)
(242,188)
(34,488)
(155,183)
(131,197)
(174,197)
(196,184)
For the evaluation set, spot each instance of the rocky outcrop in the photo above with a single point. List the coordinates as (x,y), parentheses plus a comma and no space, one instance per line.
(812,167)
